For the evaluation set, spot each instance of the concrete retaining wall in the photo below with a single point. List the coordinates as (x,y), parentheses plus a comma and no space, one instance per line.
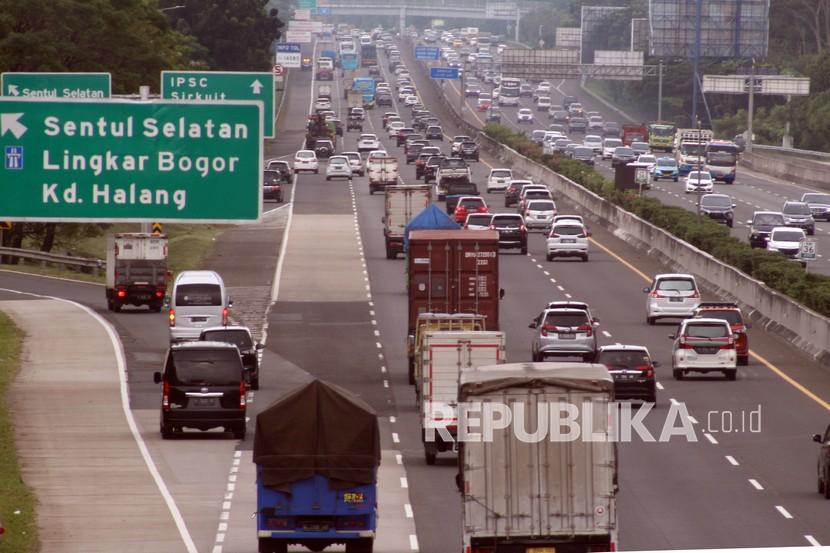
(797,170)
(779,314)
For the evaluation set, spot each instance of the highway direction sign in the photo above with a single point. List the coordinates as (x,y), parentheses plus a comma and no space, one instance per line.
(56,85)
(427,53)
(112,160)
(212,86)
(298,36)
(307,4)
(443,73)
(289,54)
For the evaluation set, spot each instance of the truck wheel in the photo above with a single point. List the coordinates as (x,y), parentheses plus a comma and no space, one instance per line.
(650,320)
(156,306)
(109,304)
(743,361)
(255,383)
(430,453)
(270,545)
(677,374)
(361,545)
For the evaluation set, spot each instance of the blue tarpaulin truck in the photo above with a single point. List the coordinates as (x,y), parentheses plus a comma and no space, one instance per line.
(317,451)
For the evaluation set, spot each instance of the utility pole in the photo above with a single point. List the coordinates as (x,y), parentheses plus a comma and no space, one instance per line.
(751,107)
(699,167)
(696,58)
(660,90)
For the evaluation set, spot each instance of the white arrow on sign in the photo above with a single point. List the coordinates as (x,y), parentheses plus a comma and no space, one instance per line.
(10,122)
(13,90)
(256,86)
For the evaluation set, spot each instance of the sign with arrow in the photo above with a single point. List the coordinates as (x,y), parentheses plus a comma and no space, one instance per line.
(211,86)
(56,85)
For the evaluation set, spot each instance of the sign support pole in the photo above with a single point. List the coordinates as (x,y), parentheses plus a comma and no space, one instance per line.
(750,108)
(660,91)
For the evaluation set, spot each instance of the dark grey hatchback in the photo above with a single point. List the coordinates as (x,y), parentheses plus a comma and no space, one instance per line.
(203,387)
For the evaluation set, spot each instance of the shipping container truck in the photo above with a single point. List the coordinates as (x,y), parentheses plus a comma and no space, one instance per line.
(453,271)
(383,172)
(317,451)
(137,271)
(402,204)
(445,355)
(556,494)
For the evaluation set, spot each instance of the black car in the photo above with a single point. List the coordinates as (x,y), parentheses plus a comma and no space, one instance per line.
(632,369)
(718,207)
(203,388)
(585,155)
(354,123)
(511,229)
(434,132)
(412,151)
(577,124)
(761,225)
(468,150)
(272,185)
(240,336)
(284,169)
(823,464)
(431,167)
(324,148)
(622,155)
(403,134)
(611,129)
(568,100)
(511,194)
(383,99)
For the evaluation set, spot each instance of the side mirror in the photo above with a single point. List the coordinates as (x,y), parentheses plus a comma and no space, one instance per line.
(734,206)
(749,221)
(655,364)
(230,302)
(157,380)
(671,336)
(595,322)
(501,293)
(646,290)
(259,346)
(817,438)
(532,324)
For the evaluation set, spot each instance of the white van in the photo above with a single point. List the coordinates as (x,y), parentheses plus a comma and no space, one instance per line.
(199,301)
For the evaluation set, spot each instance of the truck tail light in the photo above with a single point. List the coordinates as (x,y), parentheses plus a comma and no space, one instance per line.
(279,523)
(121,293)
(243,395)
(171,316)
(165,396)
(159,293)
(225,316)
(352,522)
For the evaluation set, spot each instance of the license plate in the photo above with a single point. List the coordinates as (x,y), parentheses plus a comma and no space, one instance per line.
(676,300)
(706,351)
(315,527)
(540,550)
(568,241)
(567,336)
(198,319)
(204,401)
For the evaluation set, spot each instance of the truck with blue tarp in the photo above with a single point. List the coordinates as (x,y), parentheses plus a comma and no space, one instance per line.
(317,453)
(366,85)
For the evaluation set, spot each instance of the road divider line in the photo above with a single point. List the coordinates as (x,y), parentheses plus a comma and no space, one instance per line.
(783,511)
(413,542)
(755,484)
(732,461)
(710,438)
(812,541)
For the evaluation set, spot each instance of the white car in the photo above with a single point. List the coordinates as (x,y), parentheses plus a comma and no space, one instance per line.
(671,295)
(404,92)
(699,181)
(356,162)
(339,167)
(306,160)
(543,89)
(648,159)
(594,142)
(786,240)
(455,147)
(322,104)
(393,128)
(499,179)
(704,345)
(567,238)
(539,214)
(478,221)
(524,115)
(411,100)
(358,112)
(608,147)
(543,103)
(376,154)
(367,143)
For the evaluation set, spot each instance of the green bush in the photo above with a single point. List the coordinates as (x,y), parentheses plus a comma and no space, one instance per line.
(772,268)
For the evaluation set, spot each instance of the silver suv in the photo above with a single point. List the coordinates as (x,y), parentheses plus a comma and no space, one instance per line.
(671,295)
(563,332)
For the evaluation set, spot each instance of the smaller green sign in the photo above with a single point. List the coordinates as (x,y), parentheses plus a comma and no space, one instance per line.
(307,4)
(88,86)
(222,86)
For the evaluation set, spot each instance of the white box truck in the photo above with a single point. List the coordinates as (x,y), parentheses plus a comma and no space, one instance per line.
(403,202)
(383,172)
(690,147)
(137,271)
(546,496)
(445,355)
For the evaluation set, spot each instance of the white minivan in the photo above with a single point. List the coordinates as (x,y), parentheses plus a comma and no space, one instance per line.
(199,300)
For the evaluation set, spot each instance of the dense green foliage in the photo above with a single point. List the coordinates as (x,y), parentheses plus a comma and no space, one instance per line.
(772,268)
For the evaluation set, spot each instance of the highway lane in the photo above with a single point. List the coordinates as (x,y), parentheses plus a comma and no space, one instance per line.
(751,191)
(719,505)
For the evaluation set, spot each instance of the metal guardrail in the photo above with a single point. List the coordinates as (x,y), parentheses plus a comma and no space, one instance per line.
(792,152)
(46,258)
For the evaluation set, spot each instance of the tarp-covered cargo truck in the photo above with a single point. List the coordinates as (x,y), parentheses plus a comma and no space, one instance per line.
(317,451)
(444,356)
(523,494)
(402,204)
(137,271)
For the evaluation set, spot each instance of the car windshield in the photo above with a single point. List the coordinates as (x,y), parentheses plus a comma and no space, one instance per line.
(479,219)
(697,175)
(507,222)
(797,209)
(198,295)
(624,152)
(354,156)
(787,236)
(729,315)
(501,173)
(567,230)
(278,165)
(540,206)
(537,135)
(667,162)
(238,337)
(716,201)
(769,219)
(816,198)
(611,143)
(623,359)
(471,203)
(706,330)
(454,164)
(676,284)
(567,320)
(272,175)
(583,152)
(221,367)
(305,155)
(537,193)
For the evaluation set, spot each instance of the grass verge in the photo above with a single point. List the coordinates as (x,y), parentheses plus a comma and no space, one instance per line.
(17,503)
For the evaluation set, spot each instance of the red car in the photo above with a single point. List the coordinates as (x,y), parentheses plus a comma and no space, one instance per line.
(467,205)
(484,103)
(731,313)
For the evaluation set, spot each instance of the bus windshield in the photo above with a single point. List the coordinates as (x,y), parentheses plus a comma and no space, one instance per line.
(661,130)
(723,159)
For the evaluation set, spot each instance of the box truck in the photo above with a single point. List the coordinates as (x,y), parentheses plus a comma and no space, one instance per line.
(402,204)
(136,270)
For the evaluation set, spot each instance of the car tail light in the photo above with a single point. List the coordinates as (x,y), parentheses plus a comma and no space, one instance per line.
(225,316)
(165,396)
(695,294)
(554,235)
(730,343)
(587,329)
(121,293)
(685,344)
(648,370)
(243,395)
(172,317)
(482,209)
(656,294)
(159,294)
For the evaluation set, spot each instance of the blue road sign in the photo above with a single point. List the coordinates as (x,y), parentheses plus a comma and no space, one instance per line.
(14,157)
(323,10)
(443,73)
(291,47)
(427,53)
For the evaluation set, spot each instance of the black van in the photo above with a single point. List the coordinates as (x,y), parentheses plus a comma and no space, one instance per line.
(203,387)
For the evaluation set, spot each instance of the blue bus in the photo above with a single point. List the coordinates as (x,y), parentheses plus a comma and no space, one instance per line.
(349,61)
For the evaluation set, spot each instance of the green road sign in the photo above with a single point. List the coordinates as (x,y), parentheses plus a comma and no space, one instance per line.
(217,86)
(111,160)
(56,85)
(307,4)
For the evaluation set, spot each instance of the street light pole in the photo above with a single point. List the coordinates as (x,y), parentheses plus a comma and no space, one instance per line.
(699,166)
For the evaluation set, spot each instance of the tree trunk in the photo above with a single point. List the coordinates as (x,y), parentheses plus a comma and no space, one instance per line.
(48,238)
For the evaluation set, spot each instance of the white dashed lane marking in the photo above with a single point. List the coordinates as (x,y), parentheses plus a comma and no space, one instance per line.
(732,461)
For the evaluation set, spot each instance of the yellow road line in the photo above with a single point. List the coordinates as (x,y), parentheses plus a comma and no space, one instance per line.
(768,364)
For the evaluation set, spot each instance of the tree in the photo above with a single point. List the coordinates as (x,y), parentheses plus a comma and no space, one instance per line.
(236,34)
